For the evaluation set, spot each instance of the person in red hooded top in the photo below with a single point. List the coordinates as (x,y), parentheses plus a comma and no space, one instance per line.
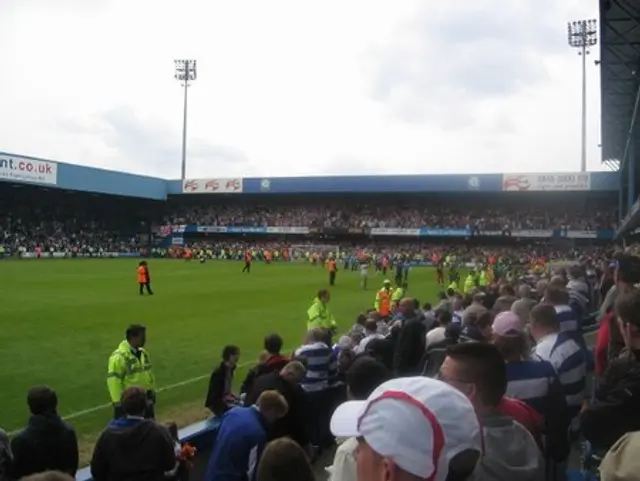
(274,362)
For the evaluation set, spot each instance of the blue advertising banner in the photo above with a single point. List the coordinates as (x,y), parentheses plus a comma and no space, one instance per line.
(427,232)
(374,184)
(604,234)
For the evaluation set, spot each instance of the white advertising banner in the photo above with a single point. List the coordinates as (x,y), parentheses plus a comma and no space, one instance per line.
(22,169)
(212,186)
(560,182)
(394,231)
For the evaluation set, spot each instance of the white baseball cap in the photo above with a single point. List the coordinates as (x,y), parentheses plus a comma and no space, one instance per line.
(418,422)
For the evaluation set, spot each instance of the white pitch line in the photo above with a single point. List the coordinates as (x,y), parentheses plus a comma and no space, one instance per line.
(94,409)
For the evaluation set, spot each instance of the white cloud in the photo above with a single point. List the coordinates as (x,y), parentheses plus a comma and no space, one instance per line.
(288,87)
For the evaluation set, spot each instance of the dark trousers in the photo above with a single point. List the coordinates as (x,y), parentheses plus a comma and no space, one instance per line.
(148,286)
(247,267)
(320,406)
(332,278)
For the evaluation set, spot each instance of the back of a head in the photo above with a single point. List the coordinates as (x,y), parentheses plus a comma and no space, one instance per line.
(627,308)
(294,371)
(627,268)
(364,375)
(503,304)
(229,351)
(42,400)
(483,365)
(556,295)
(371,325)
(524,291)
(544,315)
(283,460)
(272,404)
(273,344)
(134,401)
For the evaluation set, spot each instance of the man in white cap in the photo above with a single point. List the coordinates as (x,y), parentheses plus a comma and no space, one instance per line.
(412,428)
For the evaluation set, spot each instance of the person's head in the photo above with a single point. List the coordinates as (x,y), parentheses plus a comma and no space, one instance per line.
(293,372)
(386,284)
(361,319)
(364,375)
(477,370)
(507,290)
(478,298)
(356,337)
(263,357)
(558,282)
(451,292)
(411,429)
(273,344)
(134,401)
(323,295)
(426,307)
(136,335)
(371,327)
(524,291)
(627,309)
(231,355)
(444,317)
(543,321)
(407,307)
(442,296)
(502,304)
(42,400)
(509,337)
(272,405)
(345,358)
(627,270)
(477,326)
(282,457)
(556,296)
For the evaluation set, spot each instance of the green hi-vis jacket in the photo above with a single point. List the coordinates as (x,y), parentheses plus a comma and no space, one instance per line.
(126,370)
(319,316)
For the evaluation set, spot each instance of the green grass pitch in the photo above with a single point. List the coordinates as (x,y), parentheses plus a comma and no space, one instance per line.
(62,319)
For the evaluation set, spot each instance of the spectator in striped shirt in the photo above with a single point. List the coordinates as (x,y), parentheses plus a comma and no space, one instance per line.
(321,376)
(563,352)
(321,361)
(568,319)
(534,382)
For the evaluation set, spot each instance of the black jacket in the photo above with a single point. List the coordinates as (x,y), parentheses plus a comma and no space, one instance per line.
(132,449)
(293,423)
(273,363)
(615,409)
(47,443)
(215,394)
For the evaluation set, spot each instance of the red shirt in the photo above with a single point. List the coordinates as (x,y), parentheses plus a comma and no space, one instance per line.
(525,415)
(601,349)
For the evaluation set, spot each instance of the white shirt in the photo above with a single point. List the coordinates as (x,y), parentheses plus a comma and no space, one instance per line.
(344,462)
(364,269)
(435,335)
(363,344)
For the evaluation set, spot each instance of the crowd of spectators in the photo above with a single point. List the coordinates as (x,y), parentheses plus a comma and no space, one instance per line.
(492,385)
(486,214)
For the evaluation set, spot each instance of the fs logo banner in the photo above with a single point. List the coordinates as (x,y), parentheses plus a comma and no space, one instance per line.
(212,186)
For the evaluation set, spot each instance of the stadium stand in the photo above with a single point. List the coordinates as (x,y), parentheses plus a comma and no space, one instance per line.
(555,217)
(52,209)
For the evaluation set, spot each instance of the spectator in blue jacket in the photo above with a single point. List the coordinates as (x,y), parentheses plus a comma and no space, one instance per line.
(241,438)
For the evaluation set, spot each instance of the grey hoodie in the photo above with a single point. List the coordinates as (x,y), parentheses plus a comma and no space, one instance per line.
(510,452)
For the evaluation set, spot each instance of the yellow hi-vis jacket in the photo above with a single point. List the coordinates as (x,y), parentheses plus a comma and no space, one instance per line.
(469,284)
(398,294)
(126,370)
(319,316)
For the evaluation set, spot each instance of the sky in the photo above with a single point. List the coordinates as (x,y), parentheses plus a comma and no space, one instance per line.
(290,87)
